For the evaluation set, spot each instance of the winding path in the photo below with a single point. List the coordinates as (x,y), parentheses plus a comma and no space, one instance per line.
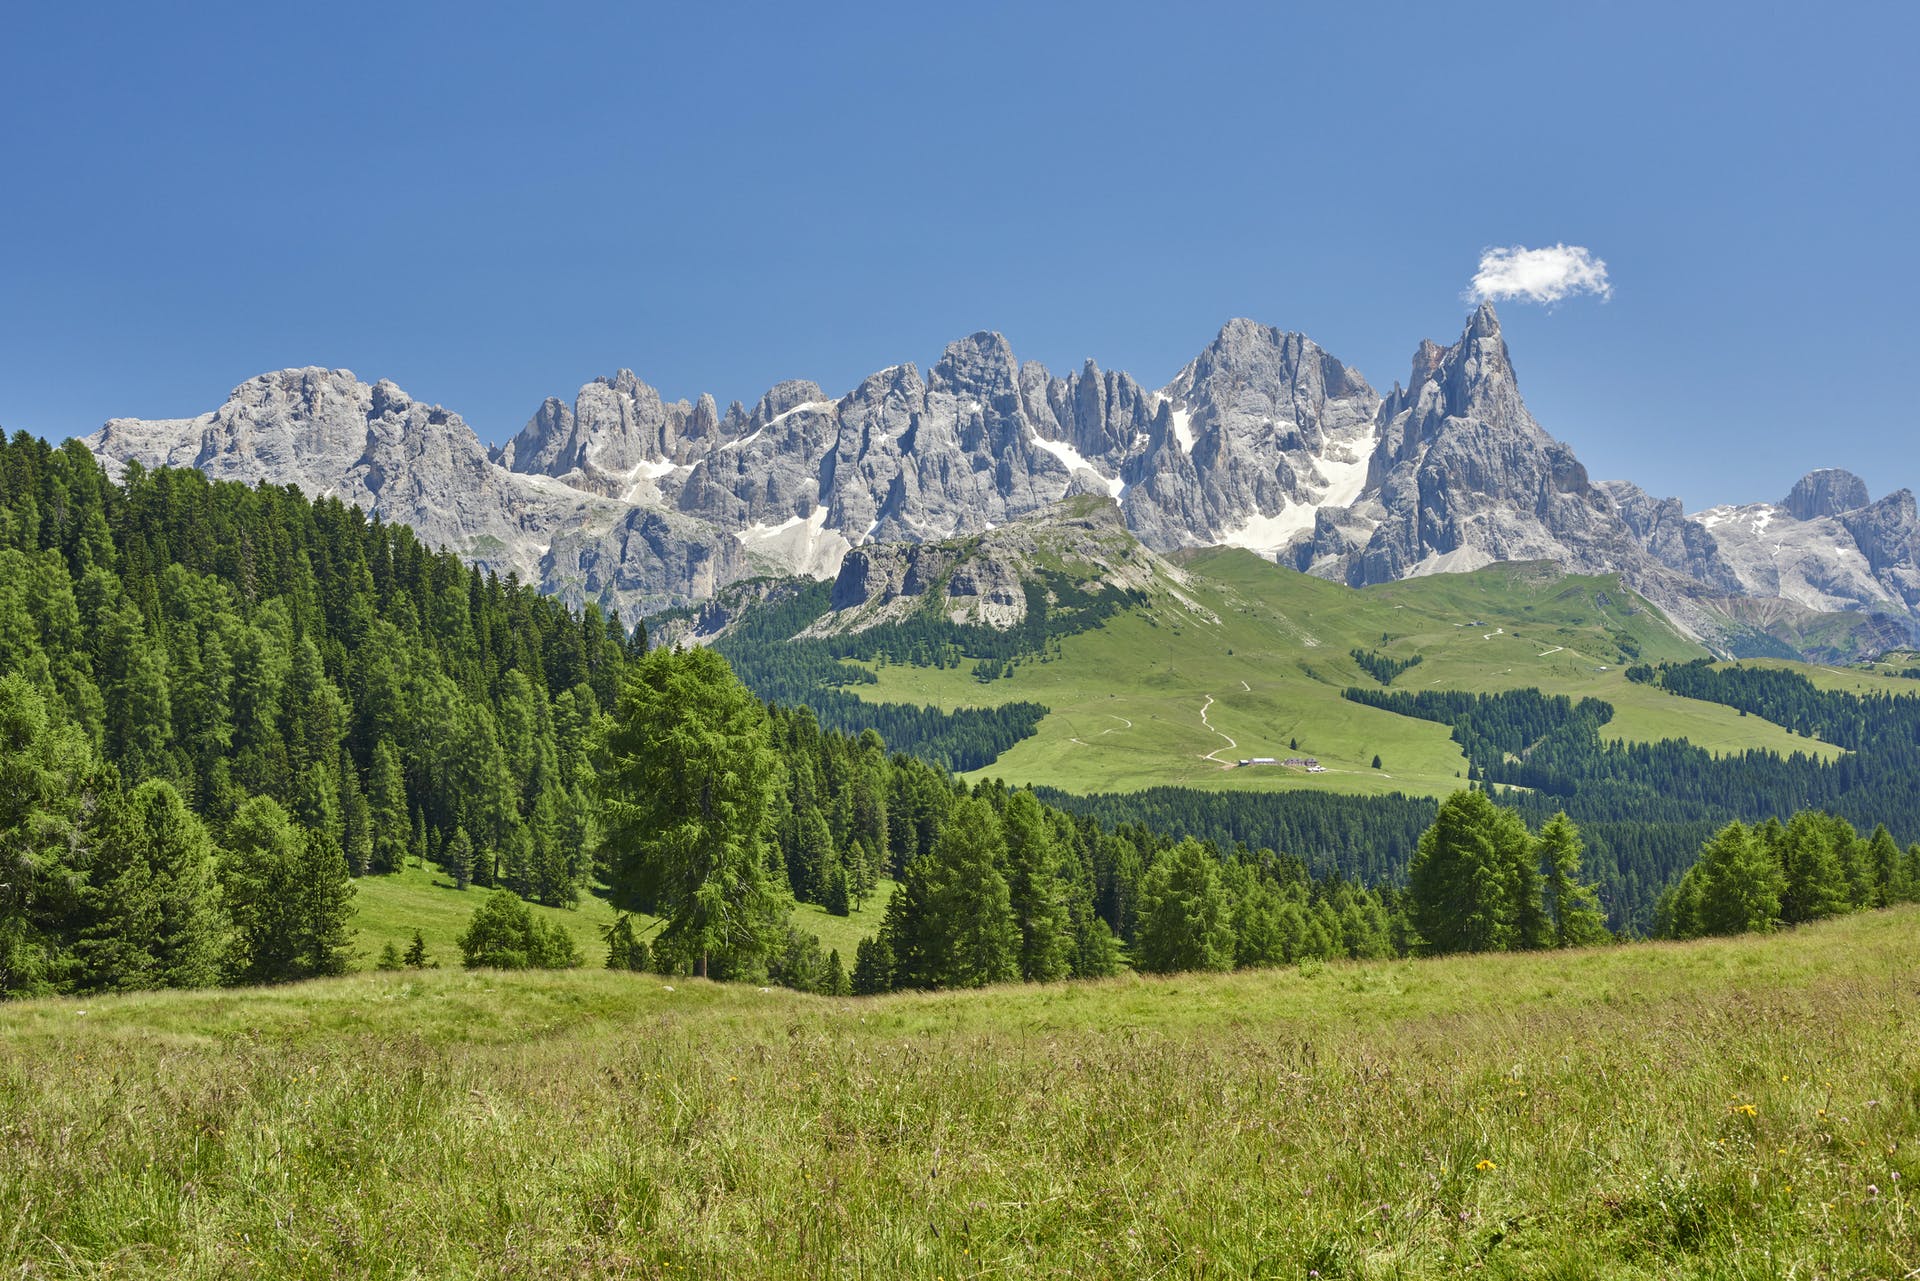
(1214,755)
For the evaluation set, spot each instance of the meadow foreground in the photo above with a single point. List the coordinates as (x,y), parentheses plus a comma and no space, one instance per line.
(1743,1107)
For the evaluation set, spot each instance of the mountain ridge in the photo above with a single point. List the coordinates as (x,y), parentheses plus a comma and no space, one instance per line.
(1264,440)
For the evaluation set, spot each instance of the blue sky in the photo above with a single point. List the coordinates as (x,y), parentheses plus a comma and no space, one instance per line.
(492,205)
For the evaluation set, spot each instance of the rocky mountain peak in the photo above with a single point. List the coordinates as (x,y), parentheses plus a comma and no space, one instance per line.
(1829,491)
(980,365)
(1264,441)
(784,397)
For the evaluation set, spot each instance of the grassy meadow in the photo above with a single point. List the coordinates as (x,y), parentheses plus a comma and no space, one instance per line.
(1730,1108)
(390,908)
(1267,651)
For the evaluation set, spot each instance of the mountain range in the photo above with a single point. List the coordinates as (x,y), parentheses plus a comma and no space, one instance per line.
(1263,441)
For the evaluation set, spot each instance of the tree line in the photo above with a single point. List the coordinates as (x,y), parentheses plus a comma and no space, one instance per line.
(1761,877)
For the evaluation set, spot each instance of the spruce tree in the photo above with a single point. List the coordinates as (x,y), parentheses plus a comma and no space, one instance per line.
(139,710)
(356,819)
(872,967)
(459,858)
(836,982)
(836,896)
(971,926)
(416,957)
(1259,937)
(1883,857)
(392,825)
(625,949)
(1814,878)
(1734,888)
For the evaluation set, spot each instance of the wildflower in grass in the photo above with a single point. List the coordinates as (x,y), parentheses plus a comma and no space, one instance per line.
(1485,1166)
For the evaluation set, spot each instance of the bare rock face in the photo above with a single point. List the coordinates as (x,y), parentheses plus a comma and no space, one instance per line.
(1827,492)
(1263,441)
(420,465)
(1462,477)
(1888,535)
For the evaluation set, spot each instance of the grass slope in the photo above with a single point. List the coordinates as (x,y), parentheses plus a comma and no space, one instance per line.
(1271,649)
(391,908)
(1737,1108)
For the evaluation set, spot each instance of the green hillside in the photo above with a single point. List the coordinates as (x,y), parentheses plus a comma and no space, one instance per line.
(1733,1108)
(1266,652)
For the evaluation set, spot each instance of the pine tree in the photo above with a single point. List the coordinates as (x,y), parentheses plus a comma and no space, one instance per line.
(150,906)
(416,957)
(1461,880)
(872,967)
(836,982)
(459,858)
(389,957)
(1185,919)
(687,786)
(392,826)
(49,781)
(356,819)
(1039,905)
(1572,906)
(289,897)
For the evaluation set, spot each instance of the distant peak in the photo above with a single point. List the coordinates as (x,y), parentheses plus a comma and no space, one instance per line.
(1828,491)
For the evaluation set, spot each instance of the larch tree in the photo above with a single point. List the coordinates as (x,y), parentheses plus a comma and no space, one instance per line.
(1572,906)
(1185,920)
(687,788)
(49,781)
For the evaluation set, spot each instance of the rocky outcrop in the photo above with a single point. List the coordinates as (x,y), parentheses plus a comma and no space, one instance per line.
(1827,492)
(1462,477)
(1888,536)
(982,580)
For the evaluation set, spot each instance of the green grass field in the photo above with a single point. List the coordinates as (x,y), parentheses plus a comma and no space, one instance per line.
(1740,1108)
(391,908)
(1267,652)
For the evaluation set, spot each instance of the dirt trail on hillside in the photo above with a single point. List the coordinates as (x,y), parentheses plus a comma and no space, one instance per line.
(1214,755)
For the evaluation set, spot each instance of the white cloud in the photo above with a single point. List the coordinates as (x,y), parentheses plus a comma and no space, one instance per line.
(1539,275)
